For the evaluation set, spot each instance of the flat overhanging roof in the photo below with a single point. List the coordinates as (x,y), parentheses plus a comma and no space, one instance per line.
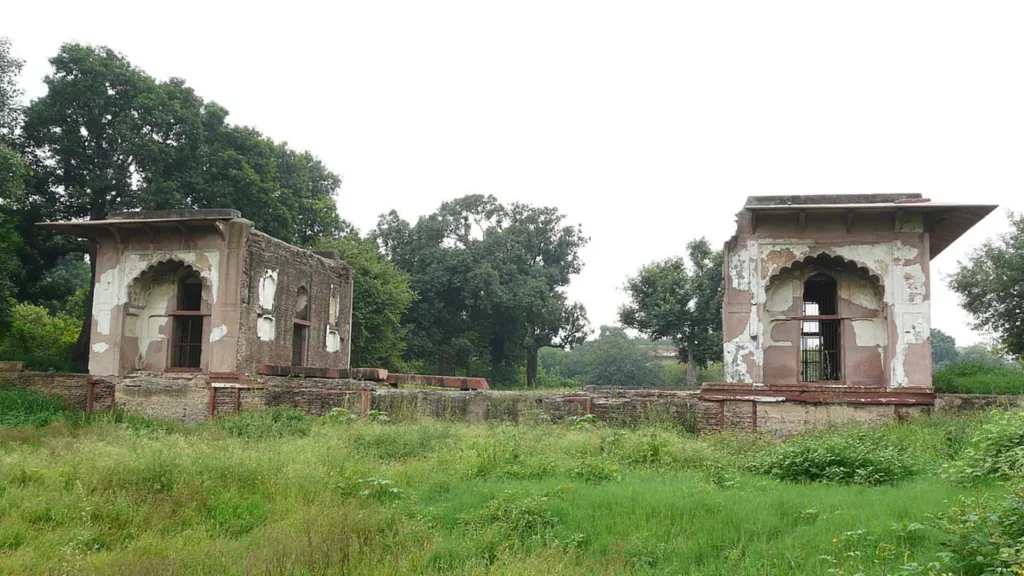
(173,219)
(944,222)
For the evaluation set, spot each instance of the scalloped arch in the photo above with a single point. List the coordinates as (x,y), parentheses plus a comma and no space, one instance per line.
(832,260)
(132,297)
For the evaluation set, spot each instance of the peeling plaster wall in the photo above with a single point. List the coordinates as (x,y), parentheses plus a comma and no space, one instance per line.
(886,336)
(131,335)
(274,271)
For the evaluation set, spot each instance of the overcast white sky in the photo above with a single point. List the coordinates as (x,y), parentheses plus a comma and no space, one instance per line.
(648,123)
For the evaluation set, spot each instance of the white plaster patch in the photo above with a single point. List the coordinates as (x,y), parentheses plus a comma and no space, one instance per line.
(265,328)
(901,251)
(914,284)
(870,332)
(267,289)
(333,307)
(737,350)
(780,296)
(913,326)
(877,257)
(218,333)
(100,347)
(333,340)
(739,266)
(861,293)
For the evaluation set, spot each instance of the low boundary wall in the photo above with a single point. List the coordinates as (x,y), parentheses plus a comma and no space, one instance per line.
(193,397)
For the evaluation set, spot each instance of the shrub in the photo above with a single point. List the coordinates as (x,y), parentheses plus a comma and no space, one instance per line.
(276,422)
(515,516)
(20,407)
(980,377)
(858,456)
(42,341)
(986,535)
(595,470)
(996,450)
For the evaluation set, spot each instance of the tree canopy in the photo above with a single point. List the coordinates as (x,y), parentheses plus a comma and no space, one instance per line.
(106,136)
(490,282)
(381,296)
(13,172)
(990,286)
(673,300)
(944,349)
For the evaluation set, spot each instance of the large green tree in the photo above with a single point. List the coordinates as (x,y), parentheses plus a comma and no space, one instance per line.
(615,359)
(991,286)
(381,296)
(106,136)
(490,282)
(670,299)
(13,172)
(944,349)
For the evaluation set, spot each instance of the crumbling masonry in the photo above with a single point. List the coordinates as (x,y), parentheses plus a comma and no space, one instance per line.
(826,320)
(827,304)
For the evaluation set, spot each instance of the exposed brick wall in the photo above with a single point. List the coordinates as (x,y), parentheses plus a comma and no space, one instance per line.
(634,405)
(295,268)
(188,397)
(975,402)
(314,396)
(180,396)
(72,388)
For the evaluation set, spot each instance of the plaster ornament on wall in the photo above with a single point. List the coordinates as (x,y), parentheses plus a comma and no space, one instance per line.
(265,328)
(268,289)
(333,340)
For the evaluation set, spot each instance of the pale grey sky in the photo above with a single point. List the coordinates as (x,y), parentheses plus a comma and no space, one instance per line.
(648,123)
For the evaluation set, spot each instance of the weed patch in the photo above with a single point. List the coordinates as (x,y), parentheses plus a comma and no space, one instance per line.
(19,407)
(278,422)
(995,450)
(858,456)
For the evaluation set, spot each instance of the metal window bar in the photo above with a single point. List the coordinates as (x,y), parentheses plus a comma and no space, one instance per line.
(188,341)
(819,350)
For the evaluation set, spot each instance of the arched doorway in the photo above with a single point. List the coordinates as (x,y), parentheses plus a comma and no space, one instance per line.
(820,335)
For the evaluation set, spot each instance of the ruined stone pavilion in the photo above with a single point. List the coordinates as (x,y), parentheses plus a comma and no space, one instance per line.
(827,301)
(189,300)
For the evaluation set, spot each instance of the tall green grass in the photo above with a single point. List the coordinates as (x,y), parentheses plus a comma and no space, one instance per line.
(980,377)
(281,493)
(20,407)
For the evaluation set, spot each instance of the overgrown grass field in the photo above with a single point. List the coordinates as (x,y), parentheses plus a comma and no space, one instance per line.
(282,493)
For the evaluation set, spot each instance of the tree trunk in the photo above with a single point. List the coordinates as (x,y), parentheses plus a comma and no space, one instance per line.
(691,364)
(442,367)
(531,366)
(80,353)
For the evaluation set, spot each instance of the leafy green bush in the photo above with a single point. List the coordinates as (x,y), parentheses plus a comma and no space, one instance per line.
(996,450)
(278,422)
(980,377)
(42,341)
(986,535)
(857,456)
(20,407)
(515,516)
(595,470)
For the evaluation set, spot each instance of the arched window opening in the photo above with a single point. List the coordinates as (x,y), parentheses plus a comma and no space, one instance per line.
(187,329)
(300,328)
(820,330)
